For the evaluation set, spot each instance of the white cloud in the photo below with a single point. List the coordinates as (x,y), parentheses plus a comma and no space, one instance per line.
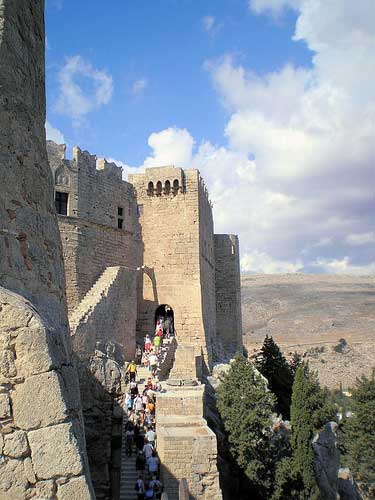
(172,146)
(259,262)
(296,177)
(83,88)
(54,134)
(311,132)
(361,239)
(344,266)
(139,86)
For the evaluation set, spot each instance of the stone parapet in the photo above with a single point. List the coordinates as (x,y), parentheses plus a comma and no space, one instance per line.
(186,446)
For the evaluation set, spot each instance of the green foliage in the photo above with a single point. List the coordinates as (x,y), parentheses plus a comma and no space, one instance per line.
(245,407)
(359,435)
(273,365)
(295,363)
(311,408)
(288,485)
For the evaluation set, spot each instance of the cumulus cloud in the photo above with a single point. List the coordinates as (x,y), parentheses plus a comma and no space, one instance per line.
(82,88)
(171,146)
(311,133)
(54,134)
(344,266)
(259,263)
(139,86)
(296,177)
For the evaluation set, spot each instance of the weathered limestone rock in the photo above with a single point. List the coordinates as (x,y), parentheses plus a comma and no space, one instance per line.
(5,411)
(348,488)
(47,462)
(39,349)
(16,445)
(39,402)
(29,470)
(327,461)
(45,489)
(13,480)
(75,489)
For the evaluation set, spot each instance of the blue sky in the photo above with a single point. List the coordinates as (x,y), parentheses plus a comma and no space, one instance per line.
(166,44)
(257,94)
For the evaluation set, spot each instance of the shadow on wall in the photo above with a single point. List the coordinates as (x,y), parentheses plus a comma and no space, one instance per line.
(101,392)
(146,307)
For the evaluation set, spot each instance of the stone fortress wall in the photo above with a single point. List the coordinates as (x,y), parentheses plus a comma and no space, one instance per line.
(160,222)
(90,235)
(228,291)
(42,443)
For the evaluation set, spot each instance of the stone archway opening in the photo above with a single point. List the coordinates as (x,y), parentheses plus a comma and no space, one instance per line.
(164,314)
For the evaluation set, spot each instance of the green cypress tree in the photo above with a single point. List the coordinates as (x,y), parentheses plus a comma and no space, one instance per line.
(246,406)
(359,436)
(273,365)
(294,363)
(311,408)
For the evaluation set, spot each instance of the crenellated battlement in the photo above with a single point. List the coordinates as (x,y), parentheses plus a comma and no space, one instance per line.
(158,181)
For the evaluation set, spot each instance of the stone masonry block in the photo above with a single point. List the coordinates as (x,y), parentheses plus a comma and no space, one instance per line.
(75,489)
(34,354)
(39,402)
(5,411)
(13,480)
(55,452)
(16,445)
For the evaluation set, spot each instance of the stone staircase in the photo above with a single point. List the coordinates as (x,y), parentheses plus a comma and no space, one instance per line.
(128,476)
(97,292)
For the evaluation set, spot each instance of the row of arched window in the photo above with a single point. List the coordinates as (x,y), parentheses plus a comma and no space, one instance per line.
(159,189)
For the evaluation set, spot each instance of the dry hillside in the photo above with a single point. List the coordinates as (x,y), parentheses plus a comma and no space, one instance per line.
(310,314)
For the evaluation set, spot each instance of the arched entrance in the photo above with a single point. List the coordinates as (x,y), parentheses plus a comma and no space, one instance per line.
(164,314)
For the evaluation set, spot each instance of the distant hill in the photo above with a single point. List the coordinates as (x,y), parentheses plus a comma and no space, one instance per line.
(311,314)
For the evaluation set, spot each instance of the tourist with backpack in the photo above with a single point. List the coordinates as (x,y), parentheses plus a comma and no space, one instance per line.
(140,488)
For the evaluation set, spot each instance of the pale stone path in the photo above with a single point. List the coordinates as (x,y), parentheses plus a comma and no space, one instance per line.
(128,472)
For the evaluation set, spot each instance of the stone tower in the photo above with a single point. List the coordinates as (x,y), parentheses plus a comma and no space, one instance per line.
(40,412)
(176,222)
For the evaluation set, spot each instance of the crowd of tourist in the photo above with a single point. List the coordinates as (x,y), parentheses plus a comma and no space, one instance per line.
(140,405)
(150,355)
